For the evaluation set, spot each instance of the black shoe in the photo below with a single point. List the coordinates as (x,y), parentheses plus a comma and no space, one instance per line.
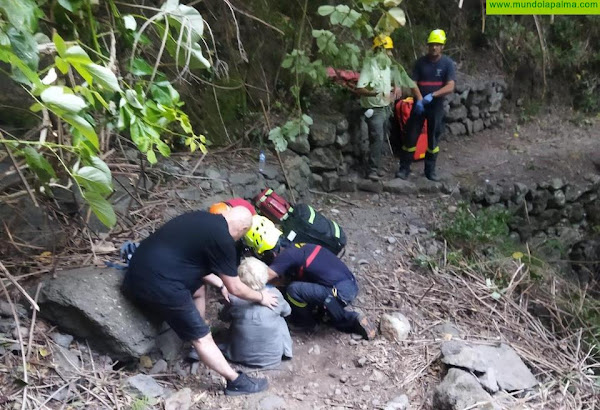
(365,327)
(245,384)
(403,173)
(432,176)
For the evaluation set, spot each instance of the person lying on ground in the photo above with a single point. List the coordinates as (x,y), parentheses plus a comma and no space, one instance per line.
(168,270)
(320,279)
(259,335)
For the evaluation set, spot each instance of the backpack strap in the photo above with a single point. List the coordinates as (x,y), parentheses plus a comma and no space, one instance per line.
(308,261)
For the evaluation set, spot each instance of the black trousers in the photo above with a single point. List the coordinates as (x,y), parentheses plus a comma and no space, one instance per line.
(434,114)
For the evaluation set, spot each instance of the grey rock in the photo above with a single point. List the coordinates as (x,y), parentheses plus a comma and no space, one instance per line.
(399,186)
(159,367)
(298,172)
(369,186)
(66,362)
(488,380)
(342,126)
(588,196)
(457,128)
(323,131)
(469,125)
(217,186)
(204,185)
(549,217)
(88,303)
(243,178)
(301,145)
(557,200)
(6,326)
(270,171)
(575,212)
(169,343)
(212,173)
(6,311)
(361,362)
(446,329)
(325,159)
(348,184)
(272,402)
(473,112)
(510,371)
(398,403)
(539,200)
(394,326)
(189,194)
(457,114)
(316,181)
(584,256)
(145,386)
(520,189)
(487,123)
(478,194)
(592,209)
(478,125)
(556,184)
(342,139)
(572,193)
(61,339)
(331,181)
(460,390)
(181,400)
(492,197)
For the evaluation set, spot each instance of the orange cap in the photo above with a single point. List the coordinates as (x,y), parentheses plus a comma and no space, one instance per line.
(218,208)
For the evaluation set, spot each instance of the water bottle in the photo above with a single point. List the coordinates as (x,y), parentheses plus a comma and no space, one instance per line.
(261,161)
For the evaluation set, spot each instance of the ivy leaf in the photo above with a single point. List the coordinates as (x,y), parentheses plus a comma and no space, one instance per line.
(38,164)
(101,165)
(307,119)
(60,45)
(287,61)
(132,99)
(151,155)
(56,96)
(94,180)
(77,55)
(129,22)
(104,77)
(277,138)
(163,148)
(325,10)
(140,67)
(83,126)
(101,208)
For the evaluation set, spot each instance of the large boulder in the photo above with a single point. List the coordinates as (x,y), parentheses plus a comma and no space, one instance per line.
(298,172)
(323,130)
(461,390)
(325,159)
(510,372)
(88,303)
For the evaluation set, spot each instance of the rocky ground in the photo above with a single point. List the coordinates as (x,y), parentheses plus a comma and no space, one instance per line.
(391,244)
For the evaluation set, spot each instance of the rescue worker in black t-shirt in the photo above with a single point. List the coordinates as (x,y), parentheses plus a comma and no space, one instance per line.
(168,271)
(435,77)
(319,278)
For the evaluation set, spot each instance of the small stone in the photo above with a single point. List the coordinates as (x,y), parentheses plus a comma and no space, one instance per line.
(337,392)
(181,400)
(423,230)
(452,209)
(362,361)
(395,326)
(315,350)
(195,368)
(363,262)
(377,376)
(391,239)
(272,402)
(391,248)
(146,361)
(145,385)
(61,339)
(22,330)
(398,403)
(159,367)
(343,379)
(366,387)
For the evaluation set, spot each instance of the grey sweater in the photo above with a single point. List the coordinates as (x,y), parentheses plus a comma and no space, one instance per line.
(259,335)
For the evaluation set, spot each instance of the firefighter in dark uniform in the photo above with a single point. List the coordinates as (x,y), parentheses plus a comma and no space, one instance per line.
(435,76)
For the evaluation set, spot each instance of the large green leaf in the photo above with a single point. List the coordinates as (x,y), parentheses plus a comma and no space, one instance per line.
(83,126)
(190,18)
(94,180)
(22,14)
(24,46)
(56,97)
(104,77)
(164,93)
(140,67)
(325,10)
(101,165)
(77,55)
(38,164)
(101,208)
(61,47)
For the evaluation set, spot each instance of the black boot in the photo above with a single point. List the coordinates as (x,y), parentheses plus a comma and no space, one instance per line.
(430,173)
(405,161)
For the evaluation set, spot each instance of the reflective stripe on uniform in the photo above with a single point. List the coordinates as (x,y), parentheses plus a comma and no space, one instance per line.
(311,218)
(296,302)
(336,229)
(434,151)
(429,83)
(407,149)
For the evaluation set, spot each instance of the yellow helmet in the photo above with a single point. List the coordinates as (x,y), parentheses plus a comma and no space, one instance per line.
(263,235)
(437,36)
(383,41)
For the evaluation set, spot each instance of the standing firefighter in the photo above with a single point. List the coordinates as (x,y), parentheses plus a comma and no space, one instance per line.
(435,76)
(374,86)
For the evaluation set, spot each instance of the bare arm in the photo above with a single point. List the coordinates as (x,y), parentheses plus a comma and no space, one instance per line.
(417,93)
(235,286)
(213,279)
(445,90)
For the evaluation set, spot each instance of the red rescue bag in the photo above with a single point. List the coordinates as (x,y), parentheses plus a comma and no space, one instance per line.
(402,111)
(272,205)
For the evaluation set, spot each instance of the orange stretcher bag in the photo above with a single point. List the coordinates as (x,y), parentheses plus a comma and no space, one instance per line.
(402,111)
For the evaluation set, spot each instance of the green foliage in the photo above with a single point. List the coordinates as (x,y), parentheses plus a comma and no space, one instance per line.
(485,226)
(280,136)
(145,108)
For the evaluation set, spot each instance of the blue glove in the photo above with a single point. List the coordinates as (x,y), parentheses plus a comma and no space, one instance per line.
(428,98)
(127,250)
(419,107)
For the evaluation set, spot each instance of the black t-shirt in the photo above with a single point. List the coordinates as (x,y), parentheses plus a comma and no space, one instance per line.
(173,260)
(430,75)
(326,269)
